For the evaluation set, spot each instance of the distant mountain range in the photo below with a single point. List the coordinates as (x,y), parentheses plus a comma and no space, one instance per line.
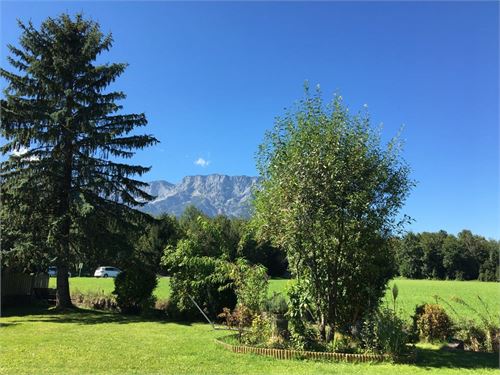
(214,194)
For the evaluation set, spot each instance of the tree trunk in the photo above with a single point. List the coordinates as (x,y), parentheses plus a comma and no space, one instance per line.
(322,328)
(63,296)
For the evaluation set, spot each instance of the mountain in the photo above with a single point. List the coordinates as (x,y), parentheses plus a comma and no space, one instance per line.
(213,194)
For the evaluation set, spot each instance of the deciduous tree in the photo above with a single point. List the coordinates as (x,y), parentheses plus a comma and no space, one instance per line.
(330,195)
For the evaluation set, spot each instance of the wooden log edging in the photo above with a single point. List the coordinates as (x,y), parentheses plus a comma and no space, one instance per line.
(299,354)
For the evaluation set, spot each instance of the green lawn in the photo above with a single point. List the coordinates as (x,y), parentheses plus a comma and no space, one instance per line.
(411,292)
(40,341)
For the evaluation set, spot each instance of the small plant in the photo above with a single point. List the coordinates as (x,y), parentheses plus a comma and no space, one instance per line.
(94,300)
(343,344)
(395,293)
(134,289)
(276,307)
(276,304)
(433,323)
(259,333)
(240,318)
(478,336)
(384,332)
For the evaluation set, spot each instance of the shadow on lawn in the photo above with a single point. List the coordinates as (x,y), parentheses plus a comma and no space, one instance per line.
(444,358)
(78,316)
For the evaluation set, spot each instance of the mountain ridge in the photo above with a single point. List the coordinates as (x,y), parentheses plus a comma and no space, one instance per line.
(214,194)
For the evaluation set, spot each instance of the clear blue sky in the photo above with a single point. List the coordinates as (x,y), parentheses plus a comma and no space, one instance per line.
(211,77)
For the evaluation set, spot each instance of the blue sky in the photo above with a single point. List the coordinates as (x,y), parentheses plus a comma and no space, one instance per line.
(212,76)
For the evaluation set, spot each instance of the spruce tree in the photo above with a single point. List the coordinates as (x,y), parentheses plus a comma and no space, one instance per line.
(67,142)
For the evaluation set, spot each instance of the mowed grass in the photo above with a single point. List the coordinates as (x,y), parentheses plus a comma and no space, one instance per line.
(411,292)
(41,341)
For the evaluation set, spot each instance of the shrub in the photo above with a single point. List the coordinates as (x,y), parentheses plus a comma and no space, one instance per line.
(200,277)
(384,332)
(478,337)
(432,323)
(238,319)
(134,289)
(276,304)
(302,336)
(259,333)
(250,284)
(94,300)
(481,336)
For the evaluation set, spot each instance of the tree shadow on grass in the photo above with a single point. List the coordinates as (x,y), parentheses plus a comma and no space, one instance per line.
(78,316)
(444,358)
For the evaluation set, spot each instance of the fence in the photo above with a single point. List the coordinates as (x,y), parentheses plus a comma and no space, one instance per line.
(17,287)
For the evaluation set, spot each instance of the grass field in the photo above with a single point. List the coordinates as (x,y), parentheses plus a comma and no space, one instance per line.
(40,341)
(411,292)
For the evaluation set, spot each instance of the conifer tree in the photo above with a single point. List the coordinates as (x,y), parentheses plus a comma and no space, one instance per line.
(67,142)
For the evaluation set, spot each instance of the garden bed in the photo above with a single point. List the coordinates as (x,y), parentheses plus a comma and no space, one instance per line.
(302,354)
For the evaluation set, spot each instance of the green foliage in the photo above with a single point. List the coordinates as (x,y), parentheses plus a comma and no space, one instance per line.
(240,318)
(483,334)
(65,194)
(158,234)
(250,284)
(260,251)
(385,333)
(198,266)
(441,255)
(134,288)
(302,336)
(276,304)
(433,323)
(259,333)
(329,195)
(97,300)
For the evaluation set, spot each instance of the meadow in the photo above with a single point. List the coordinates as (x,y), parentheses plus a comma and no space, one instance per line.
(43,341)
(411,292)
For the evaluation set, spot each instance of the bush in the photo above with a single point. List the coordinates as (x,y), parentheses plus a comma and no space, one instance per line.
(250,284)
(238,319)
(432,323)
(302,336)
(94,300)
(478,337)
(134,289)
(384,332)
(195,276)
(483,335)
(260,332)
(276,304)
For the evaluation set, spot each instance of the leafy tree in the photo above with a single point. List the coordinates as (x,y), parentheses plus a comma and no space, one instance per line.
(67,139)
(453,258)
(490,270)
(409,255)
(432,259)
(197,265)
(250,283)
(329,196)
(160,233)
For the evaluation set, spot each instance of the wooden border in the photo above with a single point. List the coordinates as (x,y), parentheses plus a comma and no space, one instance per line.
(299,354)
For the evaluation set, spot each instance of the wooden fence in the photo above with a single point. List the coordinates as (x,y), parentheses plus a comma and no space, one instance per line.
(299,354)
(18,286)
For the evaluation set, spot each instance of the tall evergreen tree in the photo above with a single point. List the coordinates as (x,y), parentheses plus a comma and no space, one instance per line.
(67,141)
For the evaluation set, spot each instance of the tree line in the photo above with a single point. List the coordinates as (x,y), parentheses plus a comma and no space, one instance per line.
(440,255)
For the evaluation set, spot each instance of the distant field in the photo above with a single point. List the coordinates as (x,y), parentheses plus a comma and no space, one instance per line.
(411,292)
